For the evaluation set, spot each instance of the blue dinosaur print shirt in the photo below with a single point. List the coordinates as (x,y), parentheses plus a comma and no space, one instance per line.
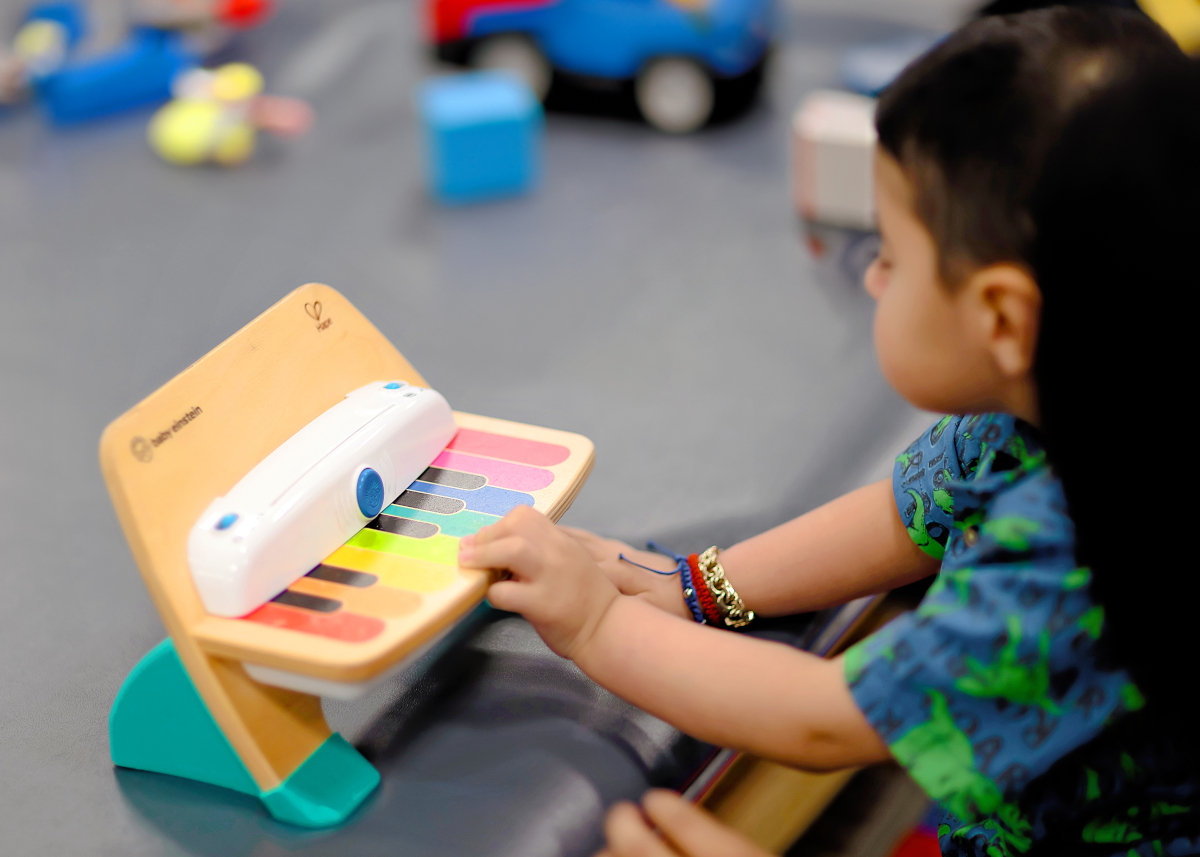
(992,693)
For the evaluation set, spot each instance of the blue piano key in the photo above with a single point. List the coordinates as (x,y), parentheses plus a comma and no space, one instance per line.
(489,500)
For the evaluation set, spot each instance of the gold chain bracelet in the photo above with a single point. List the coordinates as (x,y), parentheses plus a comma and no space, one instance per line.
(728,601)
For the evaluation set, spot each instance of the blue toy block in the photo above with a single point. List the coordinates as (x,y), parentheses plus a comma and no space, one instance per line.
(159,723)
(138,72)
(68,13)
(483,136)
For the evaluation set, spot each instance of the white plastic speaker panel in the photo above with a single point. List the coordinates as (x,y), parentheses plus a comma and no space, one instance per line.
(315,491)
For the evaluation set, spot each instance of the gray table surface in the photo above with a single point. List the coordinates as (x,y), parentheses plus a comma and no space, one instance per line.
(654,295)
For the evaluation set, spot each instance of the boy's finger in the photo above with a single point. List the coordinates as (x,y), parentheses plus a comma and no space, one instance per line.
(591,540)
(522,519)
(629,835)
(511,552)
(588,539)
(507,595)
(578,533)
(693,830)
(490,533)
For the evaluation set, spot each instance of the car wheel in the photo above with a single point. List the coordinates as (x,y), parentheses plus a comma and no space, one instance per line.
(517,54)
(675,95)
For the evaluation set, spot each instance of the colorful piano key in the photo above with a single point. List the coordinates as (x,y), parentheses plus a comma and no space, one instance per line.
(502,474)
(506,448)
(412,547)
(489,500)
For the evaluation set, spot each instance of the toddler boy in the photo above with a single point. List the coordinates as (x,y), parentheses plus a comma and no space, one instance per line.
(992,693)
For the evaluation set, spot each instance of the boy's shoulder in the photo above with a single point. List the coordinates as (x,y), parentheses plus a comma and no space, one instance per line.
(966,470)
(1009,505)
(965,446)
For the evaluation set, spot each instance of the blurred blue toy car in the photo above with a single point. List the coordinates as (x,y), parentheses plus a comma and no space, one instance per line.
(685,59)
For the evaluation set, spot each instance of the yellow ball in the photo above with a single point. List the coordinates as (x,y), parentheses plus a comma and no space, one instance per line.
(184,132)
(236,81)
(235,144)
(38,38)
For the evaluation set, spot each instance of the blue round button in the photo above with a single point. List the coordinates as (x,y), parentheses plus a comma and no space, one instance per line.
(392,386)
(370,493)
(228,520)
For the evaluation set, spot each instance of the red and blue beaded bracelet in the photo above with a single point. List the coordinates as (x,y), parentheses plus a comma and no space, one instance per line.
(695,592)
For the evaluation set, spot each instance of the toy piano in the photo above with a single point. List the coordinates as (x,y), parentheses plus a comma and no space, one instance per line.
(294,501)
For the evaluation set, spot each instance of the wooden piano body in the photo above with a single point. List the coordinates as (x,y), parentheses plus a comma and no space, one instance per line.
(236,702)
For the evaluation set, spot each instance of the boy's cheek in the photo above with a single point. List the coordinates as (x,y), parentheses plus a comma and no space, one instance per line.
(888,350)
(901,347)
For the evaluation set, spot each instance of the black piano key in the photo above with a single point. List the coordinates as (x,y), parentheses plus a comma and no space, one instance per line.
(307,602)
(453,478)
(403,526)
(430,502)
(344,576)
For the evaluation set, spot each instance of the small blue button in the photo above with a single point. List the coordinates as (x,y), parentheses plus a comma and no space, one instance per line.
(227,521)
(370,493)
(392,386)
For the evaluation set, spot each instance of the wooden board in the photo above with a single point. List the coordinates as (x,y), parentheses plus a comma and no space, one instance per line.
(166,458)
(774,804)
(771,803)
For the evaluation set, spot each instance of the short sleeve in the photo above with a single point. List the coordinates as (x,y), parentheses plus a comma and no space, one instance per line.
(994,677)
(919,480)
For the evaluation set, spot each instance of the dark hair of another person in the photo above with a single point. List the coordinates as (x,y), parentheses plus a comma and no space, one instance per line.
(971,120)
(1117,258)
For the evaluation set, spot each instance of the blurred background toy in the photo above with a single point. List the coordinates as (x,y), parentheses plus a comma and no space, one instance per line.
(208,24)
(1180,18)
(40,47)
(833,185)
(833,145)
(216,115)
(483,136)
(137,72)
(55,56)
(685,60)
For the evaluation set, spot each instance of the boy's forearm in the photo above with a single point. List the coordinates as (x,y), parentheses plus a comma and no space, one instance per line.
(855,545)
(728,689)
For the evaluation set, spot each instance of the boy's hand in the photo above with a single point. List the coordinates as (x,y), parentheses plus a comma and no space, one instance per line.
(555,583)
(683,830)
(664,592)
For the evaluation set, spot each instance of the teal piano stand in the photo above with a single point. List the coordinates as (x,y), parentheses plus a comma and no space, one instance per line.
(159,723)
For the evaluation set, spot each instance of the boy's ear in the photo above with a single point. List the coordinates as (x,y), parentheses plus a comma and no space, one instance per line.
(1007,306)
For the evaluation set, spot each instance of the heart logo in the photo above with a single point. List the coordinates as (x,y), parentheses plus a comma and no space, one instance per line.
(314,310)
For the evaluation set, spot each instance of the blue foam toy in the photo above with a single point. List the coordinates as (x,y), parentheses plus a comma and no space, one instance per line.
(137,72)
(159,723)
(483,136)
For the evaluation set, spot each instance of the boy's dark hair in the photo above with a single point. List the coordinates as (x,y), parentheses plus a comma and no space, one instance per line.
(970,122)
(1117,216)
(1012,7)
